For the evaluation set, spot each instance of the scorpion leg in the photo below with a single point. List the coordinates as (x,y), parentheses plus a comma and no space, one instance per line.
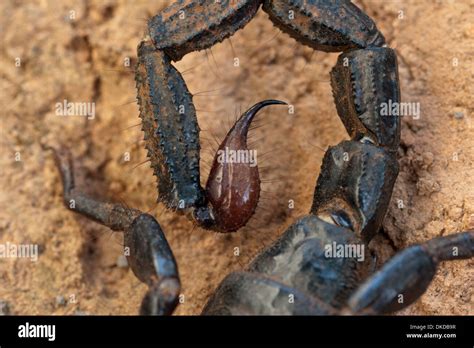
(149,256)
(405,277)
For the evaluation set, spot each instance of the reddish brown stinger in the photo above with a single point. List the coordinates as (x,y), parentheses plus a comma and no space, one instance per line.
(233,186)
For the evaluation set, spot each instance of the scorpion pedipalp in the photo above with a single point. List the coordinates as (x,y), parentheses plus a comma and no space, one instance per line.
(233,186)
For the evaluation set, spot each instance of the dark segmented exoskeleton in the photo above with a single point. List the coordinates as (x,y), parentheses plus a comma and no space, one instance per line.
(295,275)
(148,252)
(169,116)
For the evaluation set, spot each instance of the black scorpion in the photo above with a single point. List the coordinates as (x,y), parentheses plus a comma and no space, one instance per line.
(294,275)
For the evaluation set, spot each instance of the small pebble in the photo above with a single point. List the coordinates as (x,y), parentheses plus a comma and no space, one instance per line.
(4,307)
(459,113)
(60,300)
(427,186)
(455,213)
(122,261)
(116,186)
(428,159)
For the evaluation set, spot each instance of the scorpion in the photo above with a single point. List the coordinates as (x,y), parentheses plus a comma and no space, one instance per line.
(294,275)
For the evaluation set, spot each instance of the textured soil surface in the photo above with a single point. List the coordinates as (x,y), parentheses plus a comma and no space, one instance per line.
(78,50)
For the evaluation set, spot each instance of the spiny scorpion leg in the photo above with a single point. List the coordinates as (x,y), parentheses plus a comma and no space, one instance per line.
(405,277)
(149,253)
(233,186)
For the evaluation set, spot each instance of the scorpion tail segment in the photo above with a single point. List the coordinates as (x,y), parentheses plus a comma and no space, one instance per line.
(193,25)
(404,278)
(170,127)
(331,26)
(152,261)
(233,186)
(355,186)
(365,86)
(117,217)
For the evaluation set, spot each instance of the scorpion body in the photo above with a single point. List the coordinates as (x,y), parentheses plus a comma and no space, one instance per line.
(294,275)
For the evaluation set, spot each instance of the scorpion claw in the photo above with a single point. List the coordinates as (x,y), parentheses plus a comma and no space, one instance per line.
(233,186)
(161,298)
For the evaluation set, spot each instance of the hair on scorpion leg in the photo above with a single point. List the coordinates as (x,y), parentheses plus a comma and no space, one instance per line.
(202,93)
(130,127)
(125,104)
(188,70)
(139,164)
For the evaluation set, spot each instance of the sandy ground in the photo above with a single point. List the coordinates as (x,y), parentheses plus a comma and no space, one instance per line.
(76,50)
